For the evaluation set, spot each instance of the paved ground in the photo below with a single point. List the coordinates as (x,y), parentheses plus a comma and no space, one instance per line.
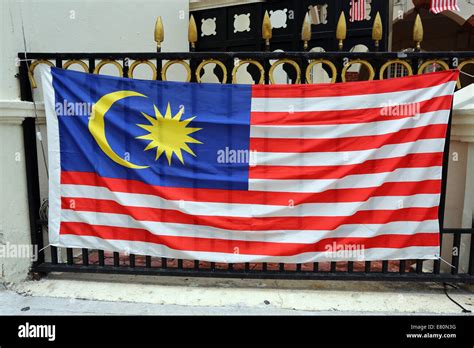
(116,295)
(12,303)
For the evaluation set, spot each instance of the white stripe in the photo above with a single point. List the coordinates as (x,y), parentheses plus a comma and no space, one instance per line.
(250,210)
(54,154)
(349,130)
(351,102)
(340,158)
(143,248)
(275,236)
(352,181)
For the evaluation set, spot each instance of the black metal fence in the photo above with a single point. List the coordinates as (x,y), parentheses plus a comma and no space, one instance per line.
(298,66)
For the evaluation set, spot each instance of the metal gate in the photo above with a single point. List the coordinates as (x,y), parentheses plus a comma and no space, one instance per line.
(299,67)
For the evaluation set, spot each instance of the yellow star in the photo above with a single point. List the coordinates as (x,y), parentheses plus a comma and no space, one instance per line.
(169,134)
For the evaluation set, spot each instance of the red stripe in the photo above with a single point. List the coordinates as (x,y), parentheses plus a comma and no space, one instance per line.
(356,143)
(437,6)
(244,247)
(337,172)
(354,88)
(357,10)
(348,116)
(252,197)
(250,223)
(361,10)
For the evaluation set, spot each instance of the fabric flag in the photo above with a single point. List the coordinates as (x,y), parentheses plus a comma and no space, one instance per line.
(314,14)
(247,173)
(438,6)
(357,11)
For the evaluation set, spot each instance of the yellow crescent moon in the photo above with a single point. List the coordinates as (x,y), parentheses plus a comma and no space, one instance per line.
(97,125)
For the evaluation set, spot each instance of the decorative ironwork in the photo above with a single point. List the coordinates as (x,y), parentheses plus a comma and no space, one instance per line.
(377,31)
(248,61)
(462,65)
(31,70)
(192,32)
(176,61)
(392,62)
(418,33)
(159,33)
(341,30)
(210,61)
(321,61)
(266,30)
(358,61)
(108,61)
(285,61)
(306,31)
(137,63)
(433,62)
(76,61)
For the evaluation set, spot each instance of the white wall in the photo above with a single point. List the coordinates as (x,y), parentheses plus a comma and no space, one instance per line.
(86,26)
(63,26)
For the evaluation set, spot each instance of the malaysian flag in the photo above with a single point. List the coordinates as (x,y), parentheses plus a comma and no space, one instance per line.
(357,11)
(247,173)
(438,6)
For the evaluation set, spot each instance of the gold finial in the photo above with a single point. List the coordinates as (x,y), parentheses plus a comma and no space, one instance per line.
(341,29)
(32,79)
(377,30)
(266,29)
(418,32)
(159,33)
(192,32)
(306,31)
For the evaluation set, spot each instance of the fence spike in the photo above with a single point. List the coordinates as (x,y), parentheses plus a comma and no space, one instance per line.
(418,32)
(377,30)
(306,31)
(266,30)
(341,29)
(192,32)
(159,33)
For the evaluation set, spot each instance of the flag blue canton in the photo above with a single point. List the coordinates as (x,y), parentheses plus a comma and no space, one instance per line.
(220,112)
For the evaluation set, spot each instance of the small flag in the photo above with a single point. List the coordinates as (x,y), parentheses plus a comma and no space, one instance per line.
(438,6)
(357,11)
(314,14)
